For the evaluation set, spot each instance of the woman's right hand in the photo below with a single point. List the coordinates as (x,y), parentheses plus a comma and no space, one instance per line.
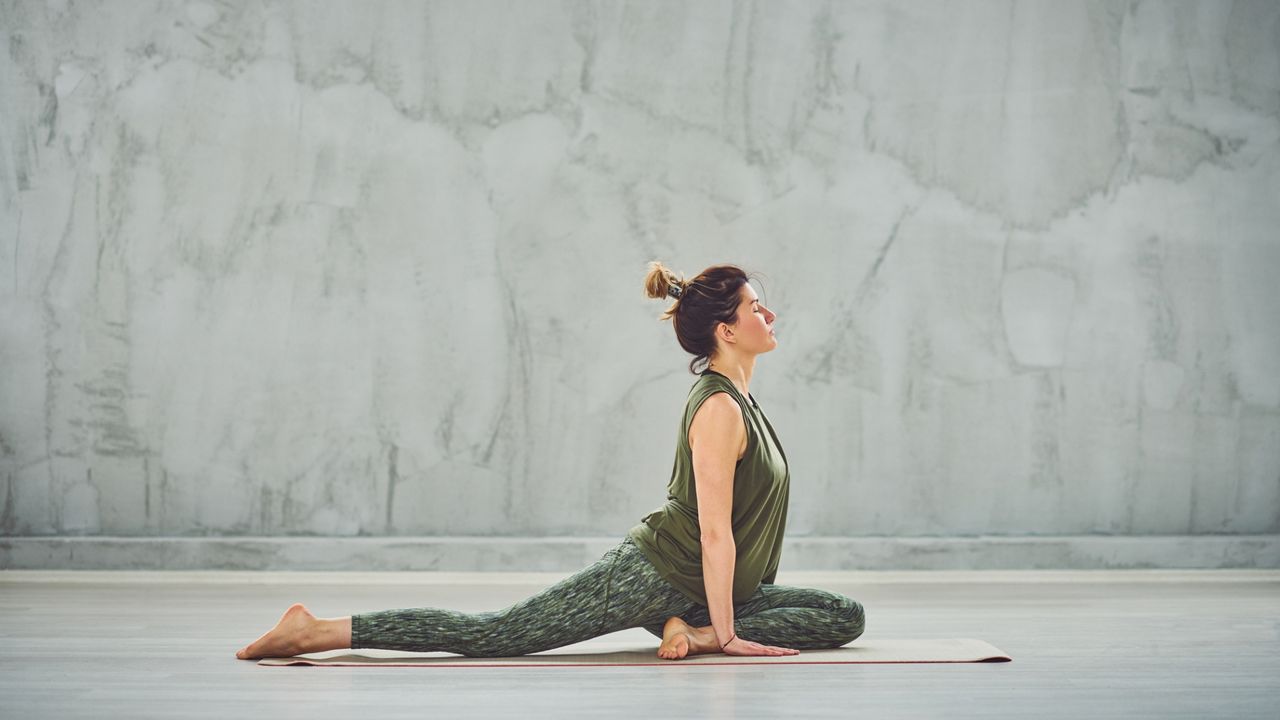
(738,646)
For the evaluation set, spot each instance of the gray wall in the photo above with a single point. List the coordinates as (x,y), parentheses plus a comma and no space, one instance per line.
(351,269)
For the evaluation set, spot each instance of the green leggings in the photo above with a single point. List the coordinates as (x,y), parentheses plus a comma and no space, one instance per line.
(620,590)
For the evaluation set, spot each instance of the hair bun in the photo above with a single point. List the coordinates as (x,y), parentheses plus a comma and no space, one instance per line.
(660,282)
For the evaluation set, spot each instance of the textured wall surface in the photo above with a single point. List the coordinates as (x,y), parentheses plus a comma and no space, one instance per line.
(375,268)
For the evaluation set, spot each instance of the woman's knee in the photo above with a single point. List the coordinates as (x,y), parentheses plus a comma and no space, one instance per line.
(851,618)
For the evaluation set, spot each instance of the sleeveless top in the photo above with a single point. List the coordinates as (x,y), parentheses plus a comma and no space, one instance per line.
(670,536)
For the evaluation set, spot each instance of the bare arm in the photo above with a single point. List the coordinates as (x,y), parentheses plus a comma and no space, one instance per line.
(717,437)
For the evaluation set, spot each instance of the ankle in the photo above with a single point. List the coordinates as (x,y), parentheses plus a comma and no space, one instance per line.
(308,637)
(341,629)
(327,634)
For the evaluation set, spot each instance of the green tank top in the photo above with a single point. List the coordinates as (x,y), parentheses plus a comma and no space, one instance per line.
(670,536)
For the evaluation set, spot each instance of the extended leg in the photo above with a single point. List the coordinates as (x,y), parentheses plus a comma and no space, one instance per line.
(618,591)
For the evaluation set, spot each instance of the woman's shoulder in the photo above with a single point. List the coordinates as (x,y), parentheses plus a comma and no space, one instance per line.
(717,393)
(708,385)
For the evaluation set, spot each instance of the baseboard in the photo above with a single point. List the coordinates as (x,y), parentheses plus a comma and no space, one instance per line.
(564,554)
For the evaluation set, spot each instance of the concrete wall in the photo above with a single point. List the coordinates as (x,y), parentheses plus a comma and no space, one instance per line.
(374,269)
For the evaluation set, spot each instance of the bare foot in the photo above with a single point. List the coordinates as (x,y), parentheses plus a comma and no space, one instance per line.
(294,634)
(679,639)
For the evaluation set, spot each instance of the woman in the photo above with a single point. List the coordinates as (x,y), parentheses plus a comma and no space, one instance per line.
(697,572)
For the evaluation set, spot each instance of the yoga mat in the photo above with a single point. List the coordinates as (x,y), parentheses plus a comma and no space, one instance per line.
(949,650)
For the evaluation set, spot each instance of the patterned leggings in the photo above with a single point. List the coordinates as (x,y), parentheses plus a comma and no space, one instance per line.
(620,590)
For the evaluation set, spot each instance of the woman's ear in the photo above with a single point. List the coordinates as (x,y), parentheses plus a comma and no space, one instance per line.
(725,331)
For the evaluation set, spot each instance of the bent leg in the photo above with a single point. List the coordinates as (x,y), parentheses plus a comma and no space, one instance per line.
(792,617)
(618,591)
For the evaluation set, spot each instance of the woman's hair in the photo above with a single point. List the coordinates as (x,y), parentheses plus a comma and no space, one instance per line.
(710,298)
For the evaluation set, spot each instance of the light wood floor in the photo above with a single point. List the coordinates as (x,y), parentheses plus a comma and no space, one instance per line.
(1152,644)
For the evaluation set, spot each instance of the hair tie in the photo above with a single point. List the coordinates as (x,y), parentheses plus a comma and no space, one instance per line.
(675,290)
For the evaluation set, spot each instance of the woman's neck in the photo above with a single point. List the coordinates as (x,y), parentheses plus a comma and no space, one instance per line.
(739,373)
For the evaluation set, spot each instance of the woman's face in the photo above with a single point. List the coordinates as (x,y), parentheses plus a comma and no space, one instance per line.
(754,330)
